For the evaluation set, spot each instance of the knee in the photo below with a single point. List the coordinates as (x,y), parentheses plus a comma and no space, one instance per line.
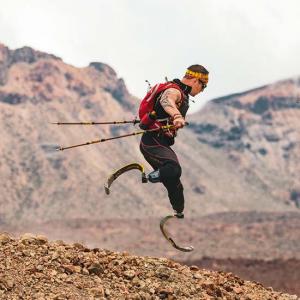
(173,170)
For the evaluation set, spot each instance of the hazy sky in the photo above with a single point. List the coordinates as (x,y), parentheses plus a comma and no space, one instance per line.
(244,44)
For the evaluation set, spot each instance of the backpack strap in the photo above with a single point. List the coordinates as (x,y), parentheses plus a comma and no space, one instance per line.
(165,86)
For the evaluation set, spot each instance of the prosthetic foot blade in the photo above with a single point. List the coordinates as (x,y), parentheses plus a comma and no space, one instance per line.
(169,239)
(121,171)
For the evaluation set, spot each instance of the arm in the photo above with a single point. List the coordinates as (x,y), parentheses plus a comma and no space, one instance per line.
(170,101)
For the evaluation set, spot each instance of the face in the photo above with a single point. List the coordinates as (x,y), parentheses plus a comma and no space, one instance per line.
(197,87)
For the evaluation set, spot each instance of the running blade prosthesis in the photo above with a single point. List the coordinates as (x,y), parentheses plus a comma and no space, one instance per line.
(169,239)
(163,222)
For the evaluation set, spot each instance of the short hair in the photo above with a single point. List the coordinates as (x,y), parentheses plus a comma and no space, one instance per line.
(198,69)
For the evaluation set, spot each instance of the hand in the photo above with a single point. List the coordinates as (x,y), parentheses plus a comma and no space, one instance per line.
(178,121)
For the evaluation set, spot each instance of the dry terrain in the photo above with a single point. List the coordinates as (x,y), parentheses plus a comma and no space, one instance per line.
(34,268)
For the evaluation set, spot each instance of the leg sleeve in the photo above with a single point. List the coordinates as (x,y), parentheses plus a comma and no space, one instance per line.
(175,193)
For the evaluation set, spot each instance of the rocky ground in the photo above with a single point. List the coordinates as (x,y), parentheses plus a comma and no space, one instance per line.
(34,268)
(283,275)
(261,247)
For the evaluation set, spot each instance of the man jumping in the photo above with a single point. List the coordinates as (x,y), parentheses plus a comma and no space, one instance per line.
(171,103)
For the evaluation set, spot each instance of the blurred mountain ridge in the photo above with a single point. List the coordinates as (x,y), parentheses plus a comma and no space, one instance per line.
(231,149)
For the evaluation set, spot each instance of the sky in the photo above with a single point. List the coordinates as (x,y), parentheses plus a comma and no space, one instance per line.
(244,44)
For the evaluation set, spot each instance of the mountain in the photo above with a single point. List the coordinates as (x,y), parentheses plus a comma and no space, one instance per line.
(259,131)
(39,182)
(233,156)
(57,270)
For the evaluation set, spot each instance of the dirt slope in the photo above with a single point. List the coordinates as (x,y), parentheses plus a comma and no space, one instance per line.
(33,268)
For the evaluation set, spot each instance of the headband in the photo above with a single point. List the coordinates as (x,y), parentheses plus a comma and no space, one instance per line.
(201,76)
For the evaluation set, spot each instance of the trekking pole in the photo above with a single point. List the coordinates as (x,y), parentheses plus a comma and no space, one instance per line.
(167,127)
(135,121)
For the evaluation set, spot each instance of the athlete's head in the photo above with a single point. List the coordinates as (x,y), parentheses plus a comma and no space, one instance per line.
(196,76)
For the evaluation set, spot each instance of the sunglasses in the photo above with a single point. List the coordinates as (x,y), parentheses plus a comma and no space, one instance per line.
(204,85)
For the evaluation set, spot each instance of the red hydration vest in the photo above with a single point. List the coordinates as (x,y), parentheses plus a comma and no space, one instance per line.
(146,110)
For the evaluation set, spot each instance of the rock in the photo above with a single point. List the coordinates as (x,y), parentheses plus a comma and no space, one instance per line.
(163,272)
(29,238)
(98,291)
(194,268)
(53,273)
(39,268)
(85,271)
(79,246)
(6,283)
(164,293)
(41,239)
(72,269)
(129,274)
(237,290)
(4,238)
(198,275)
(55,255)
(96,269)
